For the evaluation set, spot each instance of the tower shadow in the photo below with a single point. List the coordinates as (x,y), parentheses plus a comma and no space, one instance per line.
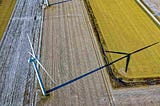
(59,2)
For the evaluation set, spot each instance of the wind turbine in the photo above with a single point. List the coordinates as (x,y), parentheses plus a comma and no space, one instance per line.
(127,55)
(33,59)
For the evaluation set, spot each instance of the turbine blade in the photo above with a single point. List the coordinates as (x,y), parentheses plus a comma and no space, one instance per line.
(31,45)
(143,48)
(45,71)
(31,54)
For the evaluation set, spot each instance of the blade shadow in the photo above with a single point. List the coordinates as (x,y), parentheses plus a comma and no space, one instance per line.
(117,52)
(143,48)
(128,55)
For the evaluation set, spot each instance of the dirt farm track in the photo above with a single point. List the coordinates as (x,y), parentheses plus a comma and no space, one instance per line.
(65,38)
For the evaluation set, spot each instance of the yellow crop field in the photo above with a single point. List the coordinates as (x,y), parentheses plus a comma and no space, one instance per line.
(125,27)
(6,8)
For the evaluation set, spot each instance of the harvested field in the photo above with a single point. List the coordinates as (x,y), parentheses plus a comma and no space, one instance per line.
(125,27)
(70,49)
(6,8)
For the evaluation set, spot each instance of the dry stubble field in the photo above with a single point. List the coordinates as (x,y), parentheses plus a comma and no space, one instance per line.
(125,27)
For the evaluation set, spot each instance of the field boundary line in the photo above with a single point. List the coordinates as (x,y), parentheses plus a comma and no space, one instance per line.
(98,36)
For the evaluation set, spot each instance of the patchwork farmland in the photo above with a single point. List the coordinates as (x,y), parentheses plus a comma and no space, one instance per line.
(67,37)
(126,27)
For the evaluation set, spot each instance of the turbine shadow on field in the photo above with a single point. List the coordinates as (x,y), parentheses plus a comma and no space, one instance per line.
(128,55)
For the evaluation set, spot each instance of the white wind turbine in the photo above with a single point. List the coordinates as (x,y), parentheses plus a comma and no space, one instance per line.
(33,59)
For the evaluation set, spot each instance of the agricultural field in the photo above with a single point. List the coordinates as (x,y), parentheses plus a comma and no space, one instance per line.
(6,8)
(125,27)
